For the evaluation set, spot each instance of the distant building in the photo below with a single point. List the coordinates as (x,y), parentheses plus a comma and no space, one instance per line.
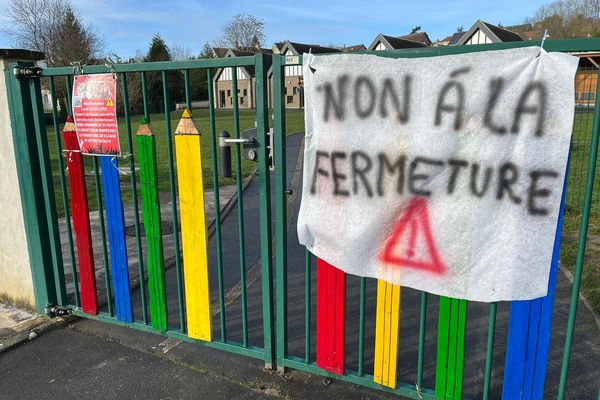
(47,102)
(527,31)
(246,82)
(484,33)
(353,48)
(586,80)
(414,40)
(294,81)
(449,40)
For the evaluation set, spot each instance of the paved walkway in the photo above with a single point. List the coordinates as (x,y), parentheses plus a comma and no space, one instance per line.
(226,196)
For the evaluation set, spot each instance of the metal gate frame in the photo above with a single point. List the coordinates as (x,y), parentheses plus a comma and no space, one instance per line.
(359,377)
(38,199)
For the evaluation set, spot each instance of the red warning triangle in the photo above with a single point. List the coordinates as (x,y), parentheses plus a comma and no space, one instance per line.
(411,230)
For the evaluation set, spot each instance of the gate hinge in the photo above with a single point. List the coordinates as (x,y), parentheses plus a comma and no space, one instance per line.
(27,72)
(57,311)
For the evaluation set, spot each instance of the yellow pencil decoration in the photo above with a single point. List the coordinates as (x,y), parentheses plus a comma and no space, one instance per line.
(386,333)
(193,228)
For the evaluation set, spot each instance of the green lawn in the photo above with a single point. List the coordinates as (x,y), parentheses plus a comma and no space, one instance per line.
(582,134)
(223,121)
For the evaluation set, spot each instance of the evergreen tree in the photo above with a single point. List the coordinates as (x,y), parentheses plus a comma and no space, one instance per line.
(159,51)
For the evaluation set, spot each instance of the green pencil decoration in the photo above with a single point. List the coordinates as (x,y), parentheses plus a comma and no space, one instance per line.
(452,327)
(152,226)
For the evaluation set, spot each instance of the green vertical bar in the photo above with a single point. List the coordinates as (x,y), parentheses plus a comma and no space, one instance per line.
(583,230)
(280,209)
(444,327)
(262,126)
(361,327)
(152,227)
(307,309)
(460,348)
(107,280)
(213,136)
(240,206)
(452,354)
(30,188)
(136,212)
(69,84)
(63,184)
(490,351)
(174,203)
(145,95)
(48,189)
(422,327)
(186,80)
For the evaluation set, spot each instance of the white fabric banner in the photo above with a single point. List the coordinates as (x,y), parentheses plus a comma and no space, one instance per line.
(443,174)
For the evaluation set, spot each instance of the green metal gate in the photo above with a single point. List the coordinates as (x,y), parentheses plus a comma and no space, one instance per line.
(44,192)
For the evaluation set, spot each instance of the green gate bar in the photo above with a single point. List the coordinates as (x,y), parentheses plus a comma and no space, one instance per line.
(262,127)
(172,186)
(280,212)
(213,143)
(583,231)
(65,193)
(136,213)
(240,205)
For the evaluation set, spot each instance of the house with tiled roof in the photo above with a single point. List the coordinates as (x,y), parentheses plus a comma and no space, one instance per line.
(246,82)
(449,40)
(527,31)
(484,33)
(386,42)
(294,82)
(353,48)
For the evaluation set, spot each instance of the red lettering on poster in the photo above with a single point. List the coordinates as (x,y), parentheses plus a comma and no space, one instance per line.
(94,110)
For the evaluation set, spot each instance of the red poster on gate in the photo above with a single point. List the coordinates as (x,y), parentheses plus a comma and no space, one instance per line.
(94,110)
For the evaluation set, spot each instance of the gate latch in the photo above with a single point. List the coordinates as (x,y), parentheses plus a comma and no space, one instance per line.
(57,311)
(27,72)
(249,143)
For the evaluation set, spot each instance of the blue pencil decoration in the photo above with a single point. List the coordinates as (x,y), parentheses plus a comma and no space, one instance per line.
(116,238)
(529,331)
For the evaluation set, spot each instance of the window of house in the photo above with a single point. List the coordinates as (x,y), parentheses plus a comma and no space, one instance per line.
(296,90)
(290,99)
(587,96)
(245,92)
(228,92)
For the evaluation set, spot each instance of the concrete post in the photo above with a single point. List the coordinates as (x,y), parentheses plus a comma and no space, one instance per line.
(16,284)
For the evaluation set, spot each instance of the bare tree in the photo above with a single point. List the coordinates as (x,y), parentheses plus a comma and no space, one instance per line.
(54,28)
(243,32)
(180,52)
(569,18)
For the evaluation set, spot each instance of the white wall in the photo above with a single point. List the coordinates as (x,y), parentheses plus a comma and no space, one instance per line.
(16,284)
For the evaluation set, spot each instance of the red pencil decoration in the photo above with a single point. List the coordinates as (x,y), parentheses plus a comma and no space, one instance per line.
(81,220)
(331,317)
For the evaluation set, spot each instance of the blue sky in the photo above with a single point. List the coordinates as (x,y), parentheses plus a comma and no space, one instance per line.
(128,25)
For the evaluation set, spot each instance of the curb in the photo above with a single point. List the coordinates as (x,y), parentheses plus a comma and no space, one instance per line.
(29,330)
